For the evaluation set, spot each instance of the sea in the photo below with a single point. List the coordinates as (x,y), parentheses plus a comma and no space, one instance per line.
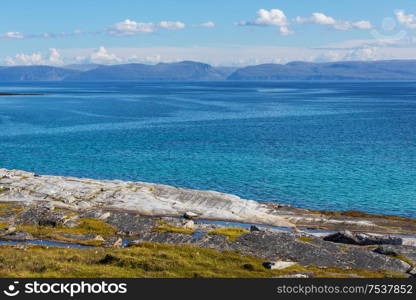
(319,145)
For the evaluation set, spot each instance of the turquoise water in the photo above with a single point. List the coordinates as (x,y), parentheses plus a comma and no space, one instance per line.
(333,146)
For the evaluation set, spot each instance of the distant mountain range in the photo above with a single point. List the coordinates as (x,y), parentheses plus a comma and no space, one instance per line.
(190,71)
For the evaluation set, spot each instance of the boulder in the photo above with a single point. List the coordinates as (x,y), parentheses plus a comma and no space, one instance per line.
(189,224)
(190,215)
(278,265)
(362,239)
(104,216)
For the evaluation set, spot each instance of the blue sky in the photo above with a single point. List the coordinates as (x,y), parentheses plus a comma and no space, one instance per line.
(218,32)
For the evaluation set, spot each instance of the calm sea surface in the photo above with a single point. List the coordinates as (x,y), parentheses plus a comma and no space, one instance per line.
(332,146)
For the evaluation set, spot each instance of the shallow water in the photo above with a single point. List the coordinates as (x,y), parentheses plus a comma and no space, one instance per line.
(320,145)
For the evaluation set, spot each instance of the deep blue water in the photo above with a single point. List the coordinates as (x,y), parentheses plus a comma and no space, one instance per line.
(333,146)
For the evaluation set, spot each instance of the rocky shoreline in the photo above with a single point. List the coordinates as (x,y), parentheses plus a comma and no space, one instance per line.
(124,215)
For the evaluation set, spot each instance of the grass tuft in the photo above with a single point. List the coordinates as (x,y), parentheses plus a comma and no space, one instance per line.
(172,229)
(231,232)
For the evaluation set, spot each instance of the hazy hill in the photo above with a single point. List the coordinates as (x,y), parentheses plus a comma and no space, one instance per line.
(82,67)
(189,70)
(186,70)
(351,70)
(34,73)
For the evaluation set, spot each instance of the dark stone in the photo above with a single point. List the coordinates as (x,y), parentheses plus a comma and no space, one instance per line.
(254,228)
(362,239)
(385,250)
(248,267)
(268,265)
(109,259)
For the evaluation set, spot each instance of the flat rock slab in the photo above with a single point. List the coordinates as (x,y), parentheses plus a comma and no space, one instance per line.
(149,199)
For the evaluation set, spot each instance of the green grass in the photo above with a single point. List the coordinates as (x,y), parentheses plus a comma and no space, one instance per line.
(231,232)
(148,260)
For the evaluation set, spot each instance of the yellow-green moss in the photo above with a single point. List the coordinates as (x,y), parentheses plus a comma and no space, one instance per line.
(149,260)
(231,232)
(86,226)
(305,239)
(172,229)
(71,215)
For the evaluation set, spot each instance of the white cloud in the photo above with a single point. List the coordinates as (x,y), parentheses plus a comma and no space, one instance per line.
(273,17)
(12,35)
(322,19)
(21,59)
(54,57)
(283,30)
(129,27)
(362,25)
(365,54)
(169,25)
(317,18)
(408,20)
(206,25)
(102,56)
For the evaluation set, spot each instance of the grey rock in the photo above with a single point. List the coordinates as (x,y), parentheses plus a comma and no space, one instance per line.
(17,236)
(130,223)
(190,215)
(41,216)
(406,252)
(81,237)
(286,246)
(362,239)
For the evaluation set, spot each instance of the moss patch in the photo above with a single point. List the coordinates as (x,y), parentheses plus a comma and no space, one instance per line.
(86,226)
(305,239)
(231,232)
